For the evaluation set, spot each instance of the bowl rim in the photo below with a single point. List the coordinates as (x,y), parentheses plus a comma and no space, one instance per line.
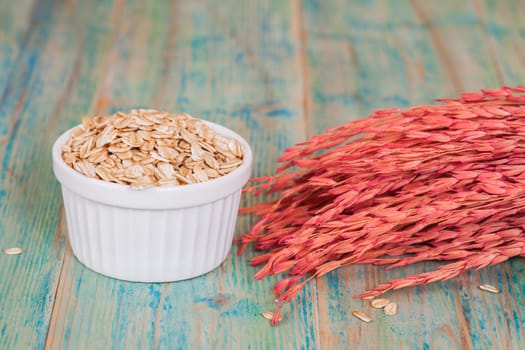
(160,197)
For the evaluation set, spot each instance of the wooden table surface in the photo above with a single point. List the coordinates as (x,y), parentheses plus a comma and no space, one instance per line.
(277,72)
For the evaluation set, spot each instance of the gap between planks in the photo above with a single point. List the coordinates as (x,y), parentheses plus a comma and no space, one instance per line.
(299,32)
(440,46)
(297,21)
(56,287)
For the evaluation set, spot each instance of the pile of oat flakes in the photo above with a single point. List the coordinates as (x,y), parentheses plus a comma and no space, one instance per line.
(146,148)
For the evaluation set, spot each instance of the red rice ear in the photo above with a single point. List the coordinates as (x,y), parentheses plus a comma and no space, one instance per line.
(441,182)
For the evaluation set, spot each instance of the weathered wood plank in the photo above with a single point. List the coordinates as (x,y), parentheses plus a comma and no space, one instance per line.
(380,54)
(277,72)
(230,62)
(33,90)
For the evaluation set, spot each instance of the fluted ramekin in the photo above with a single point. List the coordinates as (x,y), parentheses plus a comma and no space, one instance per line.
(158,234)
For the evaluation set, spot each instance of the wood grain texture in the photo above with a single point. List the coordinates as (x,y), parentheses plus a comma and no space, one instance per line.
(276,72)
(232,67)
(29,194)
(379,54)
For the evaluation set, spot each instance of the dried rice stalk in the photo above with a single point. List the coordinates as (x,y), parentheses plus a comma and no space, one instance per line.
(439,182)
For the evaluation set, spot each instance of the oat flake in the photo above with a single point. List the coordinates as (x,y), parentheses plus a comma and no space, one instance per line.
(146,148)
(13,251)
(489,288)
(362,316)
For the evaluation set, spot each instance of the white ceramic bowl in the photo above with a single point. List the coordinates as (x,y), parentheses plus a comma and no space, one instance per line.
(154,235)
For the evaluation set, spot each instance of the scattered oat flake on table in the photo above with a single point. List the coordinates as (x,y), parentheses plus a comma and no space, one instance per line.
(390,309)
(13,251)
(379,303)
(269,315)
(362,316)
(489,288)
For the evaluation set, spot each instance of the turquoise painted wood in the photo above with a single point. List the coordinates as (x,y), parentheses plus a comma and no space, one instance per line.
(398,54)
(277,72)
